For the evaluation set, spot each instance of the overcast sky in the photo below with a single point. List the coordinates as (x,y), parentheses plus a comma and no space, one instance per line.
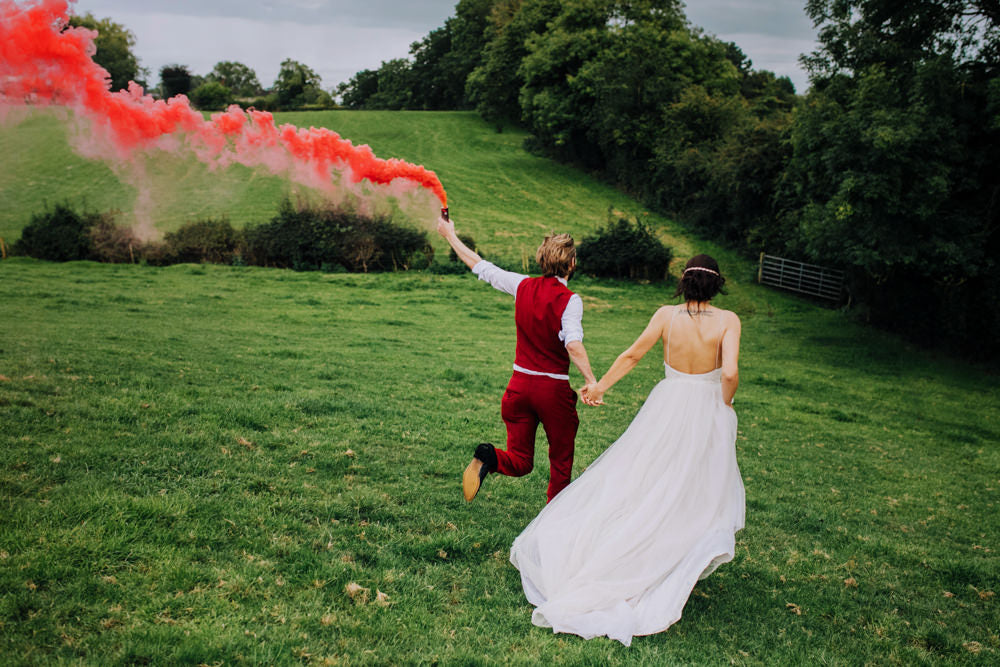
(338,38)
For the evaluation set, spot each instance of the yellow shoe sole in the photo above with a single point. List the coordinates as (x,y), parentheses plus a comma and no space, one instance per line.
(470,479)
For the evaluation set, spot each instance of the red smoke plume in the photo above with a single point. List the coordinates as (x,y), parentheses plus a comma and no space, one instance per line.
(45,63)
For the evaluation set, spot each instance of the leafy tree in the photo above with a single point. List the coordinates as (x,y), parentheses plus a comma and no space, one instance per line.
(211,95)
(444,58)
(355,93)
(468,31)
(436,82)
(494,86)
(297,85)
(388,87)
(435,78)
(893,161)
(394,90)
(637,80)
(600,78)
(114,50)
(856,34)
(174,80)
(237,77)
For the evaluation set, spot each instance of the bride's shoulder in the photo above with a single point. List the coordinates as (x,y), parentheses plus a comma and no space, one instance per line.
(729,316)
(664,312)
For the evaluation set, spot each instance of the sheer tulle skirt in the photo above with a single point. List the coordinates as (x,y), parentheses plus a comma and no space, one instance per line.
(618,552)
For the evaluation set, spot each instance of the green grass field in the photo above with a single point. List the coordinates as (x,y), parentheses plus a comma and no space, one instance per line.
(224,465)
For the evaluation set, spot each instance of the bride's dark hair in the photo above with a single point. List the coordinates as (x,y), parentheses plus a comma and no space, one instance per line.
(701,279)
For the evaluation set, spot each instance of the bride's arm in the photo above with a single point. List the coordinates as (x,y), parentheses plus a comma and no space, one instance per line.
(730,360)
(627,360)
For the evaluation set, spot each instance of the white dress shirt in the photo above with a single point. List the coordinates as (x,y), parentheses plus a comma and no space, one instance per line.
(508,281)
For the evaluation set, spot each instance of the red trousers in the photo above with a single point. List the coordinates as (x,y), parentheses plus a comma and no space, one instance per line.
(530,399)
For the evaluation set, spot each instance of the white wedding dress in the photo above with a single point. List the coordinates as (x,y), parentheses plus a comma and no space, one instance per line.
(619,550)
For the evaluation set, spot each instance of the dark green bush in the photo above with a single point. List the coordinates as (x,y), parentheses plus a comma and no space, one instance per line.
(212,96)
(294,239)
(263,102)
(624,249)
(212,241)
(302,238)
(396,247)
(309,239)
(59,235)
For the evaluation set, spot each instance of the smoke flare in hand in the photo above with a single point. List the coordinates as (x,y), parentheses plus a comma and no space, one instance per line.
(44,63)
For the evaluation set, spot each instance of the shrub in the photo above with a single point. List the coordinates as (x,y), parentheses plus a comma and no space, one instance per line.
(211,95)
(263,102)
(113,244)
(59,235)
(624,249)
(397,247)
(293,239)
(306,238)
(213,241)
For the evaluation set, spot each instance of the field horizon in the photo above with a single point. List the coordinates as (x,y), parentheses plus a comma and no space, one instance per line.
(210,465)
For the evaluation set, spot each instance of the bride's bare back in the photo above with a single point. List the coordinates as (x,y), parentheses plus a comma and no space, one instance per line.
(693,338)
(700,342)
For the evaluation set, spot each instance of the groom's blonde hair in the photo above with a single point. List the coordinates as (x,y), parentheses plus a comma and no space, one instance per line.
(556,255)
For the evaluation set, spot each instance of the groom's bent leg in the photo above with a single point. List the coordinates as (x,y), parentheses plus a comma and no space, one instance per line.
(522,422)
(558,415)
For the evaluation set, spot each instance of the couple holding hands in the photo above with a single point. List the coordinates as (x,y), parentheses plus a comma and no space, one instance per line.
(617,552)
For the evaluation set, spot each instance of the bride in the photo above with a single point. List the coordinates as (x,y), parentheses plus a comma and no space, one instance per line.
(618,551)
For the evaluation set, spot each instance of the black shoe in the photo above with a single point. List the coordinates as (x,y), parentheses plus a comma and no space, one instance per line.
(483,462)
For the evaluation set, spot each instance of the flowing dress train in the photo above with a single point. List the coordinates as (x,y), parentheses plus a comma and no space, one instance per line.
(618,551)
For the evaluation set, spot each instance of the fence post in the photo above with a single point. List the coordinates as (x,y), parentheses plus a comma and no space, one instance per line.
(760,268)
(3,249)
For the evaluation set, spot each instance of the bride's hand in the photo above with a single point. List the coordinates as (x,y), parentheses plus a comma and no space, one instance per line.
(592,395)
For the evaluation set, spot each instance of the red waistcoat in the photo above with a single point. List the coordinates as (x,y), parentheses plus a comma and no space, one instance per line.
(538,310)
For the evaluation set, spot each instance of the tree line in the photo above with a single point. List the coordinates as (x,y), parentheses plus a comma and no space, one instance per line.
(885,167)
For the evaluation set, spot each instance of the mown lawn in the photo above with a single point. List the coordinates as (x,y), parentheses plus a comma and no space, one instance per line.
(217,465)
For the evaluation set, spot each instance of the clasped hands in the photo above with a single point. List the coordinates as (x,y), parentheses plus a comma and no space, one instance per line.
(591,394)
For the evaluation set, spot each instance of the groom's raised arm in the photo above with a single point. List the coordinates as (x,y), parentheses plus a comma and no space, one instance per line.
(505,281)
(446,228)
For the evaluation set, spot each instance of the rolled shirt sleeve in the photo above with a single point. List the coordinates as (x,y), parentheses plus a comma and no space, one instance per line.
(505,281)
(508,281)
(572,321)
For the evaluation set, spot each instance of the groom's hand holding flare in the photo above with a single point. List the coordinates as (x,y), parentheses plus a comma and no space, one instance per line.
(446,228)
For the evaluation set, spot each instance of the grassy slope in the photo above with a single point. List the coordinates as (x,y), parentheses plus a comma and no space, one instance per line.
(503,196)
(176,483)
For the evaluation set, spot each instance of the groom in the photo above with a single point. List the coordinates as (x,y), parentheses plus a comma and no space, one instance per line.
(549,319)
